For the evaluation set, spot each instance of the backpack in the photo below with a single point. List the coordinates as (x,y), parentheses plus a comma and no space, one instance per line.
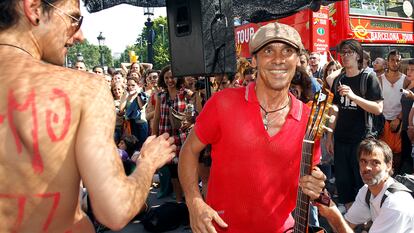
(374,124)
(402,183)
(166,217)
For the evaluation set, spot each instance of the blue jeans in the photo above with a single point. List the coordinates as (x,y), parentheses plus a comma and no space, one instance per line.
(139,130)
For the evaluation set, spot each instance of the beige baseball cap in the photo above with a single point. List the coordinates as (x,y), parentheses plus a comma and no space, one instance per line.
(275,32)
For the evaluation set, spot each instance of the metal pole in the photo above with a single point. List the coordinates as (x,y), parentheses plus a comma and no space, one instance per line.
(102,58)
(208,89)
(150,41)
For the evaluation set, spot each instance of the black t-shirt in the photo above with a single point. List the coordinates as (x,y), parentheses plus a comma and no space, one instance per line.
(350,125)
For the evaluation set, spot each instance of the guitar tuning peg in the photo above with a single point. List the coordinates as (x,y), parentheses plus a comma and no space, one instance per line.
(327,129)
(335,108)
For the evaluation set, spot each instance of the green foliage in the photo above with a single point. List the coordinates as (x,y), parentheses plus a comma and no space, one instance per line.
(161,45)
(90,53)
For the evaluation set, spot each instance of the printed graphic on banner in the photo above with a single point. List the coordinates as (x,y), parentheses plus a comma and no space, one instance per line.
(377,31)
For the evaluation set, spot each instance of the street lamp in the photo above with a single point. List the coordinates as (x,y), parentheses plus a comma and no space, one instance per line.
(79,57)
(101,41)
(149,11)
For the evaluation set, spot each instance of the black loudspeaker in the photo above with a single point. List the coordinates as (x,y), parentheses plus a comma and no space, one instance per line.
(201,37)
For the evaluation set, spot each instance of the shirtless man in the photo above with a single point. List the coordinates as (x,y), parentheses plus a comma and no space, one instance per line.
(56,129)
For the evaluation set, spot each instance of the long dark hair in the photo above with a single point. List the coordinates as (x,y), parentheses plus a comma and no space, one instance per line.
(355,46)
(303,80)
(161,82)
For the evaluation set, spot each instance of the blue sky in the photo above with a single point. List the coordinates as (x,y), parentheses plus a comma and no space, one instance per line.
(120,25)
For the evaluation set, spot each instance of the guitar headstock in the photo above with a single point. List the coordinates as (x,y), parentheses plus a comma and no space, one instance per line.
(319,115)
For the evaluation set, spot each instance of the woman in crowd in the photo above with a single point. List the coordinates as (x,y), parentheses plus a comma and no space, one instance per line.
(117,90)
(137,67)
(301,85)
(151,89)
(172,99)
(132,104)
(328,69)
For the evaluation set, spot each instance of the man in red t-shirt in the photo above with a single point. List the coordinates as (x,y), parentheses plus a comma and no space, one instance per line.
(256,133)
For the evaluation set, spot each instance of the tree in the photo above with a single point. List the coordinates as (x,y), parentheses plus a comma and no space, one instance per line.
(90,54)
(161,45)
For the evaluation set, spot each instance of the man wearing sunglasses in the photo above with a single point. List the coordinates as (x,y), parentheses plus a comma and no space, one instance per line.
(350,128)
(56,129)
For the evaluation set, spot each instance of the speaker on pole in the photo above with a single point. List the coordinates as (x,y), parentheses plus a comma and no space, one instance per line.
(201,37)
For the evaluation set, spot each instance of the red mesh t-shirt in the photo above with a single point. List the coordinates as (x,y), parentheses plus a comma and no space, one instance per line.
(254,177)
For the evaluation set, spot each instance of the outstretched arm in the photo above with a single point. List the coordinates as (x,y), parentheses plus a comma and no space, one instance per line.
(201,215)
(115,198)
(335,219)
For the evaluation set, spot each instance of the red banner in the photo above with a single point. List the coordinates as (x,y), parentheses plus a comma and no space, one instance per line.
(320,31)
(382,31)
(242,38)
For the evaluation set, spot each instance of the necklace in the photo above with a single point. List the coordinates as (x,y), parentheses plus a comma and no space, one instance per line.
(17,47)
(265,120)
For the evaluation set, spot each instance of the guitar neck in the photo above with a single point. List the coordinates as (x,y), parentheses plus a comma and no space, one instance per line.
(302,202)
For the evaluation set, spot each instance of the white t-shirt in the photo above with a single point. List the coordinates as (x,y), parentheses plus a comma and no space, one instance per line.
(395,216)
(392,97)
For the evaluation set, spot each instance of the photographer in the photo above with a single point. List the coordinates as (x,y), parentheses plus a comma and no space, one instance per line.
(389,211)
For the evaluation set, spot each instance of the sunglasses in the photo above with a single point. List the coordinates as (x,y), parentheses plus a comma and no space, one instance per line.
(153,77)
(76,22)
(347,53)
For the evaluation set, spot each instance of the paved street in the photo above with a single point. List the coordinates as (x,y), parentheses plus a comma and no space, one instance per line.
(137,227)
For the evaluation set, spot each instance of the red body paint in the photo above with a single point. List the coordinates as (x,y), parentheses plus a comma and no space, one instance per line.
(56,199)
(29,103)
(53,117)
(13,106)
(21,202)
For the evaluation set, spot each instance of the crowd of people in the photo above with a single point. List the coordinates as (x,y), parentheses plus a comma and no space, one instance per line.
(95,140)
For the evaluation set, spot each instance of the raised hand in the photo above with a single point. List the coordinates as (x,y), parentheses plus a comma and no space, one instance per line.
(157,151)
(345,90)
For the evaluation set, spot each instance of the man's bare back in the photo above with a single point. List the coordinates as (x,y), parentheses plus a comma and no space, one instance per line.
(57,127)
(39,118)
